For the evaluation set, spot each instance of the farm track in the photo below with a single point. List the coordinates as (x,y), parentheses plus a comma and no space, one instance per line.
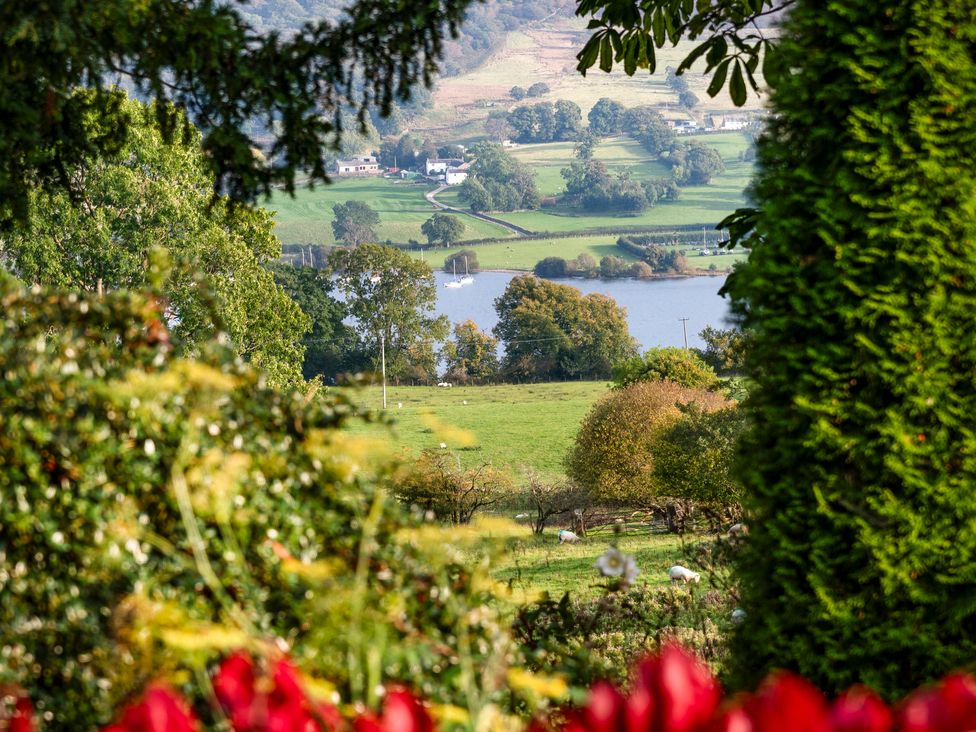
(517,230)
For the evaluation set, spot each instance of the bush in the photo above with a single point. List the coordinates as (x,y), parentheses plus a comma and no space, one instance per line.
(859,462)
(693,458)
(552,268)
(613,454)
(681,366)
(156,510)
(436,483)
(463,261)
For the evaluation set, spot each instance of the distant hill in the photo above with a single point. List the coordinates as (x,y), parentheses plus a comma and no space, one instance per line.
(483,32)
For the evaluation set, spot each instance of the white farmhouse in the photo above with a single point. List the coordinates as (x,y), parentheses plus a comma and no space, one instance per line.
(362,165)
(456,176)
(437,167)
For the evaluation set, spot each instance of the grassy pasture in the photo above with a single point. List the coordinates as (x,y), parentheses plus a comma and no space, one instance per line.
(542,564)
(307,218)
(514,425)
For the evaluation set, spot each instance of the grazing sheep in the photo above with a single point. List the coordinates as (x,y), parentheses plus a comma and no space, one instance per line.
(445,384)
(738,530)
(567,537)
(677,572)
(522,517)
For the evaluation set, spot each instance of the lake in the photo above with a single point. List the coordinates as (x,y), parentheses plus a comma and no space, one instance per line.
(653,306)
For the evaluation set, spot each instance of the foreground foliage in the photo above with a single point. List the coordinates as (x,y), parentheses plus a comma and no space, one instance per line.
(858,298)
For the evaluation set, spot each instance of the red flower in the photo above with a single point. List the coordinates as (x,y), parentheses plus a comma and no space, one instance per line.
(675,690)
(860,710)
(22,719)
(787,702)
(733,719)
(605,709)
(159,710)
(949,707)
(402,712)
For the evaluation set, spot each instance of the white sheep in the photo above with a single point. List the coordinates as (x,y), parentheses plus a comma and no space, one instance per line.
(522,517)
(567,537)
(677,572)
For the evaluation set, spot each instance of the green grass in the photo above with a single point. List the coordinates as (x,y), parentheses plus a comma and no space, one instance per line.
(526,425)
(307,218)
(542,564)
(522,254)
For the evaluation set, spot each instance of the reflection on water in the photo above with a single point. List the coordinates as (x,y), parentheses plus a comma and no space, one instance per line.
(653,307)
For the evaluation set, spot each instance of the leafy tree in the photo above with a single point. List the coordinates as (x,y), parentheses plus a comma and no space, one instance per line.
(353,222)
(733,32)
(688,99)
(725,350)
(649,128)
(331,346)
(517,93)
(585,264)
(437,483)
(679,365)
(400,153)
(471,354)
(611,267)
(540,88)
(568,120)
(443,229)
(497,127)
(698,164)
(547,122)
(585,145)
(641,270)
(150,195)
(552,330)
(465,259)
(861,421)
(665,261)
(606,117)
(391,295)
(694,458)
(613,454)
(498,182)
(208,59)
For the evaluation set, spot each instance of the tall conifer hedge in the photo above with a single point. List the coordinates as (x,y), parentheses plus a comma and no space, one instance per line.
(861,295)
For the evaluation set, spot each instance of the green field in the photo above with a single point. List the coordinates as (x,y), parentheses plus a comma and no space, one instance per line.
(522,254)
(542,564)
(307,218)
(519,426)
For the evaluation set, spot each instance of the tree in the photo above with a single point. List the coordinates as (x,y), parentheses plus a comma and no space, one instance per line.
(552,330)
(606,117)
(861,419)
(391,295)
(568,120)
(331,346)
(553,498)
(472,354)
(497,127)
(182,52)
(688,99)
(611,267)
(443,229)
(436,483)
(476,194)
(694,457)
(498,182)
(353,222)
(517,93)
(461,261)
(538,89)
(725,350)
(647,126)
(552,268)
(701,162)
(147,196)
(613,454)
(679,365)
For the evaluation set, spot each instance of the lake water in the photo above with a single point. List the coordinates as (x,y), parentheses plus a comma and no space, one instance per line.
(653,306)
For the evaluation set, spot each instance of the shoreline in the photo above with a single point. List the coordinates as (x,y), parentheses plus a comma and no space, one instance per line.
(675,276)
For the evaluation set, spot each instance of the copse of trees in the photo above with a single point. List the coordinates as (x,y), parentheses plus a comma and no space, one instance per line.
(498,182)
(550,330)
(546,122)
(470,355)
(661,259)
(693,163)
(646,125)
(538,89)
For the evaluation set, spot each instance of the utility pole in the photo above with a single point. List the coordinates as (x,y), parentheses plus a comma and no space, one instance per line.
(684,328)
(383,364)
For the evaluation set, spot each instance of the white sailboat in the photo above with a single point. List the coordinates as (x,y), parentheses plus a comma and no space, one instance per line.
(455,282)
(467,279)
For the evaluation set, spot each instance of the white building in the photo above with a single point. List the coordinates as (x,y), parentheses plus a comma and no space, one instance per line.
(684,126)
(362,165)
(437,167)
(456,176)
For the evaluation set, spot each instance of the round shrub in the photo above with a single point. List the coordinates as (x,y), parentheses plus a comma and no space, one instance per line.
(680,365)
(613,455)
